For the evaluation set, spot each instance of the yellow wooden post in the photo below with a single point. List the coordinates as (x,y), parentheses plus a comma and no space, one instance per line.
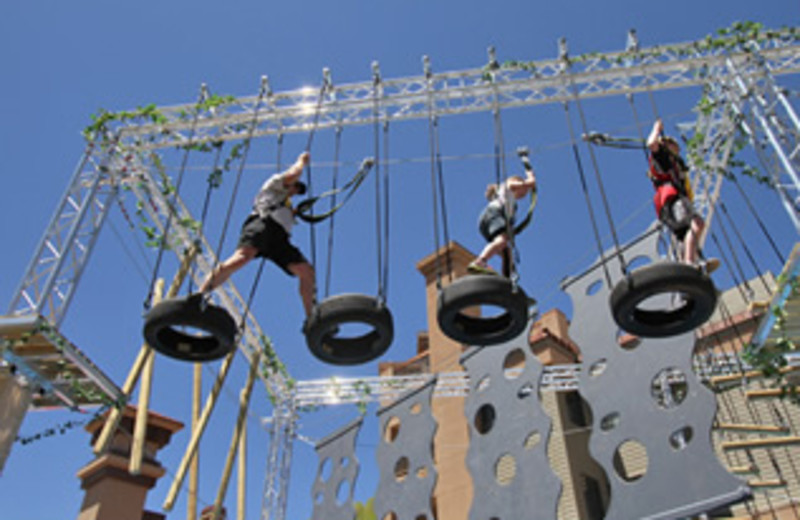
(211,401)
(244,404)
(140,426)
(194,470)
(241,508)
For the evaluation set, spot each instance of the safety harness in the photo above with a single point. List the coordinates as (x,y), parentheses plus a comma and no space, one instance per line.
(668,184)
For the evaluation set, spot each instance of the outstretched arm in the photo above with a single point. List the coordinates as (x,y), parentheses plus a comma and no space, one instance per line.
(528,183)
(530,178)
(291,175)
(653,140)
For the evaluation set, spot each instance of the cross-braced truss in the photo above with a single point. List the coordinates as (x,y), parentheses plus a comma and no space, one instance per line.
(122,160)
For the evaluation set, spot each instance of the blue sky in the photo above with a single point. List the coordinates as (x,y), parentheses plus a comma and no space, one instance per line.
(62,61)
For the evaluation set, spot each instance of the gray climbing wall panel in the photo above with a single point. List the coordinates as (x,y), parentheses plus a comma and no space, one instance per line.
(509,432)
(332,491)
(652,416)
(405,457)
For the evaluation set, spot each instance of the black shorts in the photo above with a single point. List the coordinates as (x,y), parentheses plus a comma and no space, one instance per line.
(677,215)
(492,222)
(271,241)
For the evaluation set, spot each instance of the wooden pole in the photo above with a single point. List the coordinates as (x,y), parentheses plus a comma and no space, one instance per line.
(194,470)
(140,426)
(241,420)
(115,414)
(211,401)
(760,443)
(241,507)
(770,392)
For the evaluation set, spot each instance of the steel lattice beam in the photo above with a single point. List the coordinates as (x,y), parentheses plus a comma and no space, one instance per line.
(460,92)
(770,122)
(53,273)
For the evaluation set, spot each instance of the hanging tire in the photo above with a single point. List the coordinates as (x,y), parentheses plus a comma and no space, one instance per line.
(475,290)
(163,324)
(323,327)
(695,291)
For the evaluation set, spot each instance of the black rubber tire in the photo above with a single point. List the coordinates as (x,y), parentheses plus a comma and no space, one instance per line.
(322,328)
(698,293)
(474,290)
(162,322)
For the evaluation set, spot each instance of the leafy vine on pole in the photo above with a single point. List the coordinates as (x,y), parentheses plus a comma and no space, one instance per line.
(771,360)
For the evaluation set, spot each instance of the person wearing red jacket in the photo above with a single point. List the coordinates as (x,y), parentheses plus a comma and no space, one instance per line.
(673,196)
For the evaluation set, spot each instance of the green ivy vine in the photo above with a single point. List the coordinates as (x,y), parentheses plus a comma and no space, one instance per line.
(771,360)
(76,387)
(271,364)
(731,38)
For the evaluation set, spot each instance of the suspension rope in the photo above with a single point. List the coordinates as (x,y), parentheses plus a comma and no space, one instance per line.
(760,222)
(386,191)
(435,161)
(585,188)
(172,201)
(260,270)
(510,254)
(744,245)
(334,186)
(214,181)
(737,282)
(599,179)
(309,181)
(642,142)
(376,87)
(263,92)
(737,264)
(443,204)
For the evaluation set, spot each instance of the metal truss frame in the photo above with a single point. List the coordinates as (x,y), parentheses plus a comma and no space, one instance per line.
(61,257)
(512,85)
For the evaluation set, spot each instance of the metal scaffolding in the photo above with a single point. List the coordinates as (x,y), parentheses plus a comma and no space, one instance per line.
(742,80)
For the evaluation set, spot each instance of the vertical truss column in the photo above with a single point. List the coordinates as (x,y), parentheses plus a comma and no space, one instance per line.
(63,252)
(716,129)
(771,124)
(279,461)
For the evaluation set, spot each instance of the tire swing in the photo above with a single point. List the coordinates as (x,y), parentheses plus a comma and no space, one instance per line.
(327,329)
(165,324)
(693,289)
(333,316)
(190,328)
(661,299)
(486,290)
(453,313)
